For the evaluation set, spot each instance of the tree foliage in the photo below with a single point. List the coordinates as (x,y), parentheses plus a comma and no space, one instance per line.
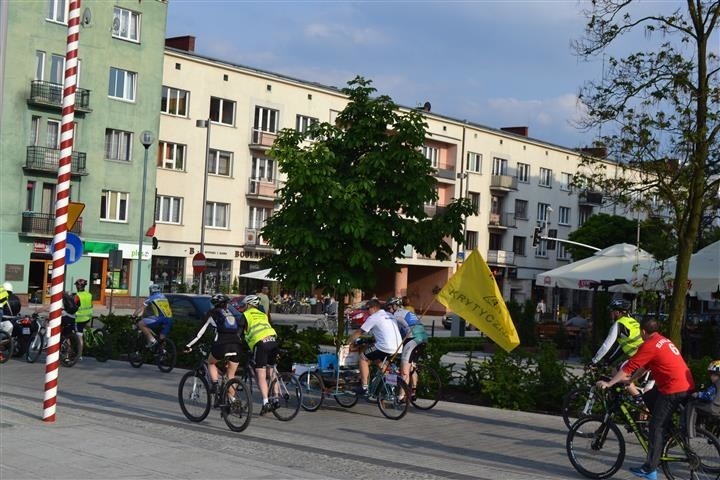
(354,196)
(660,110)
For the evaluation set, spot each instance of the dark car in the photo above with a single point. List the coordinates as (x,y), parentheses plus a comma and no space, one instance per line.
(447,321)
(190,306)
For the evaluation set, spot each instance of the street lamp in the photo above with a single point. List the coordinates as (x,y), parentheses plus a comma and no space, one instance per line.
(147,139)
(204,124)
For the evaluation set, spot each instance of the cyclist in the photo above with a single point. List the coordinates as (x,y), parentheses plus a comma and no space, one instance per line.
(706,401)
(11,306)
(156,313)
(84,312)
(226,343)
(388,341)
(412,331)
(262,341)
(6,324)
(674,382)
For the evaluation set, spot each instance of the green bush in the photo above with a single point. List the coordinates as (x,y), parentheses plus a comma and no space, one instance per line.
(506,381)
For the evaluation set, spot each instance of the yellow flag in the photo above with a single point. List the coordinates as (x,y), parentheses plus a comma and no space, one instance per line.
(473,294)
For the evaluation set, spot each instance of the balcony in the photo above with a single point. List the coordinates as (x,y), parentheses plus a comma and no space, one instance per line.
(501,257)
(445,173)
(503,183)
(590,198)
(43,224)
(432,210)
(47,160)
(502,220)
(261,140)
(261,189)
(46,94)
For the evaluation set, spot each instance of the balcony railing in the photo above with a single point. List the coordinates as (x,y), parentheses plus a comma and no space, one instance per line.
(503,182)
(261,139)
(502,257)
(590,198)
(50,95)
(261,188)
(44,224)
(47,159)
(446,173)
(502,220)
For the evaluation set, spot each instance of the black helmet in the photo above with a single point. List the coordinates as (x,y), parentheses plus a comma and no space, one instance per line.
(219,299)
(80,283)
(620,304)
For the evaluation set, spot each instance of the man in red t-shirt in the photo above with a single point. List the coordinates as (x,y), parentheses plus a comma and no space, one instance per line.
(674,383)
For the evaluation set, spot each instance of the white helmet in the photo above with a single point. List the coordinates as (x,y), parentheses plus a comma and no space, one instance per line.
(8,286)
(253,300)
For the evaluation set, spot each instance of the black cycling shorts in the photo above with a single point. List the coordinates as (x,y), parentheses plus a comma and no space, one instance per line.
(265,353)
(227,351)
(373,354)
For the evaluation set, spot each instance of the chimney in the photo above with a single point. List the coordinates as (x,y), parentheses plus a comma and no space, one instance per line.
(597,152)
(186,43)
(517,130)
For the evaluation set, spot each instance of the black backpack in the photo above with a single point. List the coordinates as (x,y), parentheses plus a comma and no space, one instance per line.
(69,304)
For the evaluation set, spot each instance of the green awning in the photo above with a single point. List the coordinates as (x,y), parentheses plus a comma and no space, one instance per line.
(99,247)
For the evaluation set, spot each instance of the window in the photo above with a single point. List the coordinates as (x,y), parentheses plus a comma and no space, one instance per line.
(564,216)
(258,217)
(521,209)
(171,155)
(541,249)
(471,240)
(302,123)
(217,214)
(126,24)
(523,172)
(219,163)
(542,212)
(39,65)
(168,209)
(57,69)
(113,206)
(475,201)
(263,169)
(562,253)
(174,101)
(122,84)
(52,140)
(118,145)
(519,245)
(499,166)
(474,162)
(545,177)
(57,10)
(266,119)
(584,214)
(565,181)
(495,242)
(432,154)
(222,111)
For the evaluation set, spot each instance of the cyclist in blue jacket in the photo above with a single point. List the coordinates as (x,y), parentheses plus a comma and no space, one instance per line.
(412,331)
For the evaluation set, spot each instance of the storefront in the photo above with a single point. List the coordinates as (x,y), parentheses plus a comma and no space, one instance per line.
(168,272)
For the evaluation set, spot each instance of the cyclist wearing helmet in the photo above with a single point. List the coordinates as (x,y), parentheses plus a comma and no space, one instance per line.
(705,401)
(11,305)
(84,311)
(226,344)
(412,331)
(624,337)
(156,312)
(262,341)
(6,324)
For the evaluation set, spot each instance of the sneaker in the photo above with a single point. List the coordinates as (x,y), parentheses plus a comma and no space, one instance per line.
(265,409)
(360,391)
(642,473)
(274,404)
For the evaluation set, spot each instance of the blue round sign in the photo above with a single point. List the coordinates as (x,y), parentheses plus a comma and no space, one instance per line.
(73,248)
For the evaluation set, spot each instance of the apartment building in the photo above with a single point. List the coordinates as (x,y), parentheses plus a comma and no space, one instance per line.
(518,183)
(120,52)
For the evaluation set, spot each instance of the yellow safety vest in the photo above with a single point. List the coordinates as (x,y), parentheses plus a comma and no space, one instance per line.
(85,311)
(258,326)
(632,342)
(3,296)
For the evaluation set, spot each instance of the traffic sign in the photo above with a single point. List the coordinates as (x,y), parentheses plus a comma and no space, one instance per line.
(198,263)
(74,211)
(73,248)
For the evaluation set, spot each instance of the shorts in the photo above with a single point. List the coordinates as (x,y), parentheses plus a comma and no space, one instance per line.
(155,322)
(227,351)
(265,353)
(80,326)
(68,325)
(373,354)
(407,351)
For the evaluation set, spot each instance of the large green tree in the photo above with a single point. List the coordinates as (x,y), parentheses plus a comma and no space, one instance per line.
(659,109)
(354,196)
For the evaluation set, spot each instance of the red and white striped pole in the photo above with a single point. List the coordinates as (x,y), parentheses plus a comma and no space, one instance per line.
(61,211)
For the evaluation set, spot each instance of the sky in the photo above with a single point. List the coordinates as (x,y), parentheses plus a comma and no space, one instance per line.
(495,63)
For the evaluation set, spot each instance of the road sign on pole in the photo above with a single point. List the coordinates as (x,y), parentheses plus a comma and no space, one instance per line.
(74,211)
(198,263)
(73,248)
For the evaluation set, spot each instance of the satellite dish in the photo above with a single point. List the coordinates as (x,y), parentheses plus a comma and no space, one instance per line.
(87,16)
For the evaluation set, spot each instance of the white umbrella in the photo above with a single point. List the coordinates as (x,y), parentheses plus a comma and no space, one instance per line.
(621,262)
(704,271)
(260,275)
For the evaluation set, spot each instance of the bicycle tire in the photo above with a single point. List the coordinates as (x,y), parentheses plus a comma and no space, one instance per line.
(393,399)
(574,402)
(592,444)
(167,356)
(426,394)
(7,346)
(346,399)
(238,411)
(286,404)
(103,345)
(312,390)
(35,347)
(69,350)
(136,352)
(248,378)
(705,463)
(194,396)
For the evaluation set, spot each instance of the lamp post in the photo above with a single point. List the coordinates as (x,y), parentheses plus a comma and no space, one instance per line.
(146,138)
(204,124)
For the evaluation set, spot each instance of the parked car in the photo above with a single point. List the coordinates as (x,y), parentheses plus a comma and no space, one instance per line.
(191,307)
(447,321)
(358,313)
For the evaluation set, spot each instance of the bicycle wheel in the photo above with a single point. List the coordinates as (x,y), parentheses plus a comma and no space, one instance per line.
(194,396)
(136,353)
(312,390)
(285,397)
(166,355)
(576,402)
(595,448)
(35,347)
(237,407)
(7,346)
(426,393)
(393,398)
(69,350)
(103,345)
(346,399)
(702,462)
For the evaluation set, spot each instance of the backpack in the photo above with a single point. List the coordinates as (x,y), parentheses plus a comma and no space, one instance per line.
(69,304)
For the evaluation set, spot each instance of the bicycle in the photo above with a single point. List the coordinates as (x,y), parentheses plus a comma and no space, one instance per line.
(285,396)
(97,342)
(163,351)
(38,340)
(7,346)
(593,442)
(232,396)
(424,383)
(328,323)
(69,343)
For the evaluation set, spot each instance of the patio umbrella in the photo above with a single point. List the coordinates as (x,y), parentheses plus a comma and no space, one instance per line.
(260,275)
(703,274)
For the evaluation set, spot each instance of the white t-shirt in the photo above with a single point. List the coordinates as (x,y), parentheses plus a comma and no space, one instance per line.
(385,330)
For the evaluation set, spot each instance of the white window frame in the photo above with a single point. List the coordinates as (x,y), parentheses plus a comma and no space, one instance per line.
(39,65)
(524,214)
(545,177)
(542,213)
(117,198)
(565,181)
(118,145)
(500,166)
(171,154)
(222,105)
(210,216)
(125,24)
(52,133)
(471,240)
(168,209)
(303,122)
(266,119)
(562,252)
(58,11)
(564,215)
(432,154)
(262,169)
(474,162)
(474,198)
(213,163)
(541,249)
(170,94)
(258,217)
(523,172)
(128,85)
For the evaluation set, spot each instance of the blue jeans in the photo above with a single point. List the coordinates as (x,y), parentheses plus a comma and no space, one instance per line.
(661,417)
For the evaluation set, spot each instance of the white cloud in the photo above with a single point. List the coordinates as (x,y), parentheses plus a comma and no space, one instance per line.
(345,33)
